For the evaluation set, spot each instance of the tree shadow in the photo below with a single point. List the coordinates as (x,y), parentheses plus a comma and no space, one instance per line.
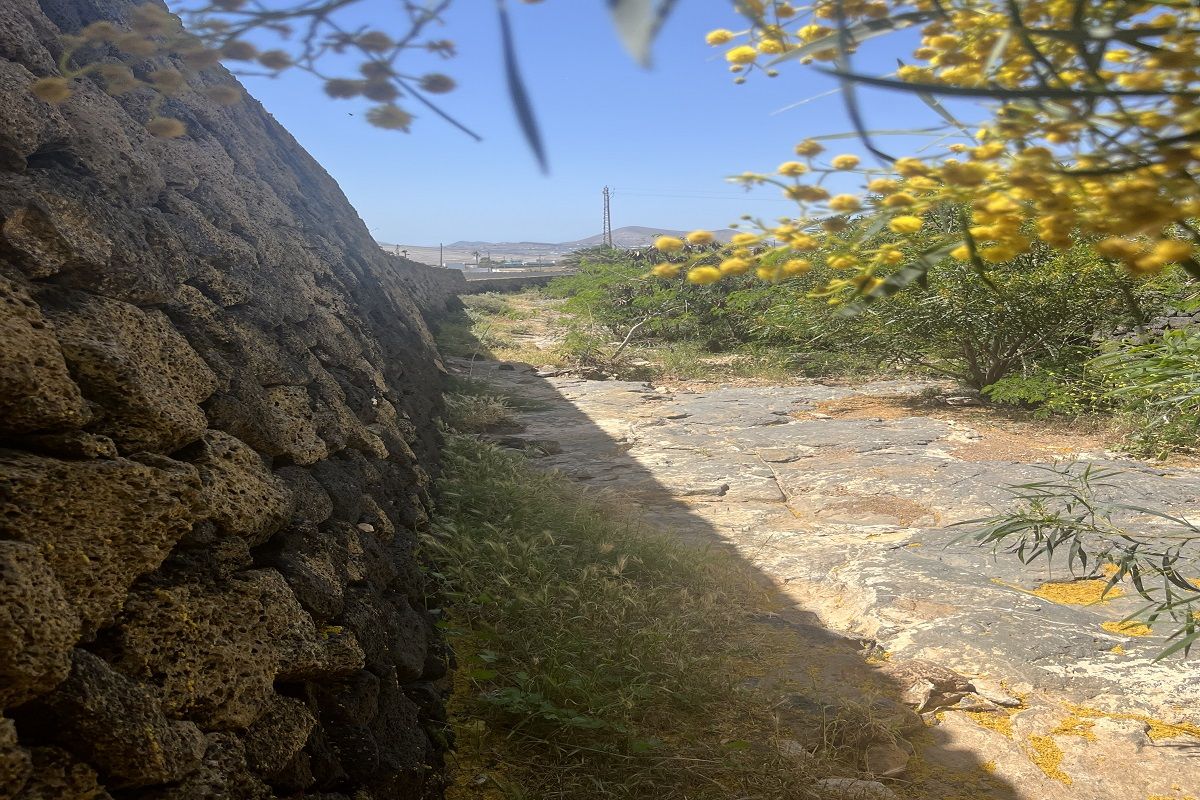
(814,674)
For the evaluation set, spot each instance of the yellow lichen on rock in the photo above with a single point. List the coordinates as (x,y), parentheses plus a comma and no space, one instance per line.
(997,721)
(1156,729)
(1077,593)
(1075,726)
(1048,756)
(1127,628)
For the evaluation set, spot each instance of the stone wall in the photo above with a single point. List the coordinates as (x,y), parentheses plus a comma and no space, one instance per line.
(511,283)
(216,396)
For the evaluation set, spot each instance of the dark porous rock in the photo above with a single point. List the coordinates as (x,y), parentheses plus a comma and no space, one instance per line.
(223,773)
(353,698)
(38,627)
(310,501)
(391,632)
(117,725)
(100,523)
(314,563)
(278,735)
(69,444)
(15,766)
(215,651)
(242,496)
(276,421)
(58,776)
(217,404)
(137,367)
(403,746)
(295,777)
(38,393)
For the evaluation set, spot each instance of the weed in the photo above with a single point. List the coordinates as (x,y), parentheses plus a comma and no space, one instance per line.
(476,413)
(596,658)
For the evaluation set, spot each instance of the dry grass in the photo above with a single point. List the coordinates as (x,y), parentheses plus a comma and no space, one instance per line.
(598,659)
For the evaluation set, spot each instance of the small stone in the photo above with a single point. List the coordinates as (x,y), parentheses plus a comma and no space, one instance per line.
(995,694)
(854,789)
(791,748)
(887,759)
(963,400)
(365,527)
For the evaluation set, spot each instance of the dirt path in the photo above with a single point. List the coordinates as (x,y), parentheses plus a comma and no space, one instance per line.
(842,496)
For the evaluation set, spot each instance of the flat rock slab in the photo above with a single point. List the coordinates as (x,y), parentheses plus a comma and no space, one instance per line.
(853,517)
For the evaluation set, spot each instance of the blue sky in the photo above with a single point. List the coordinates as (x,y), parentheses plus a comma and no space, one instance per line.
(664,138)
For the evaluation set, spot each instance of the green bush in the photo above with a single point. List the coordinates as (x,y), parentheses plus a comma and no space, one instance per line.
(1041,309)
(1157,386)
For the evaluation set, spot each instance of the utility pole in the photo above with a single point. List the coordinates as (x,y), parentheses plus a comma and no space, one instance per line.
(441,255)
(608,242)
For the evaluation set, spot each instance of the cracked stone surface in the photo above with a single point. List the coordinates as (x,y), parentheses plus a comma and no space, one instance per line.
(852,517)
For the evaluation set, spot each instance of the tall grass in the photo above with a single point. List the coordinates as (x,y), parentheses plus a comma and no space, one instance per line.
(596,659)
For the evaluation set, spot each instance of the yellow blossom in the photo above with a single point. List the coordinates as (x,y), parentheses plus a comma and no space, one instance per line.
(845,203)
(734,266)
(666,270)
(700,237)
(809,148)
(704,275)
(846,161)
(719,37)
(905,224)
(742,55)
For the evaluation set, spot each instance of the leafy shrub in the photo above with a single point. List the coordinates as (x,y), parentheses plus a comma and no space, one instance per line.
(1040,308)
(1157,385)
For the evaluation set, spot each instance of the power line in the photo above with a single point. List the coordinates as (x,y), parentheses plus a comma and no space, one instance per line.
(694,196)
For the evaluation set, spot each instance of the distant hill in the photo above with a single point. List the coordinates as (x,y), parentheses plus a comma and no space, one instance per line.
(637,236)
(464,251)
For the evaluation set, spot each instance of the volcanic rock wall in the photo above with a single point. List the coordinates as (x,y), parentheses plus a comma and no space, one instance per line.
(216,396)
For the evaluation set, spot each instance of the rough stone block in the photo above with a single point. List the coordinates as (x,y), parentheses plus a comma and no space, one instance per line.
(215,651)
(15,766)
(278,735)
(391,632)
(276,421)
(58,776)
(243,498)
(117,725)
(36,391)
(223,774)
(38,627)
(314,564)
(99,524)
(310,501)
(137,367)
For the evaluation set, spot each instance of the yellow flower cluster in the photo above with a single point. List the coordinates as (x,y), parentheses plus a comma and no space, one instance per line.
(1093,133)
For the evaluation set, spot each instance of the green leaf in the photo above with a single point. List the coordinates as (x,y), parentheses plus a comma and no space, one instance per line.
(517,92)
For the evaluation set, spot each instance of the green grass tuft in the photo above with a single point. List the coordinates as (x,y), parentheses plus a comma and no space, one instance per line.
(596,659)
